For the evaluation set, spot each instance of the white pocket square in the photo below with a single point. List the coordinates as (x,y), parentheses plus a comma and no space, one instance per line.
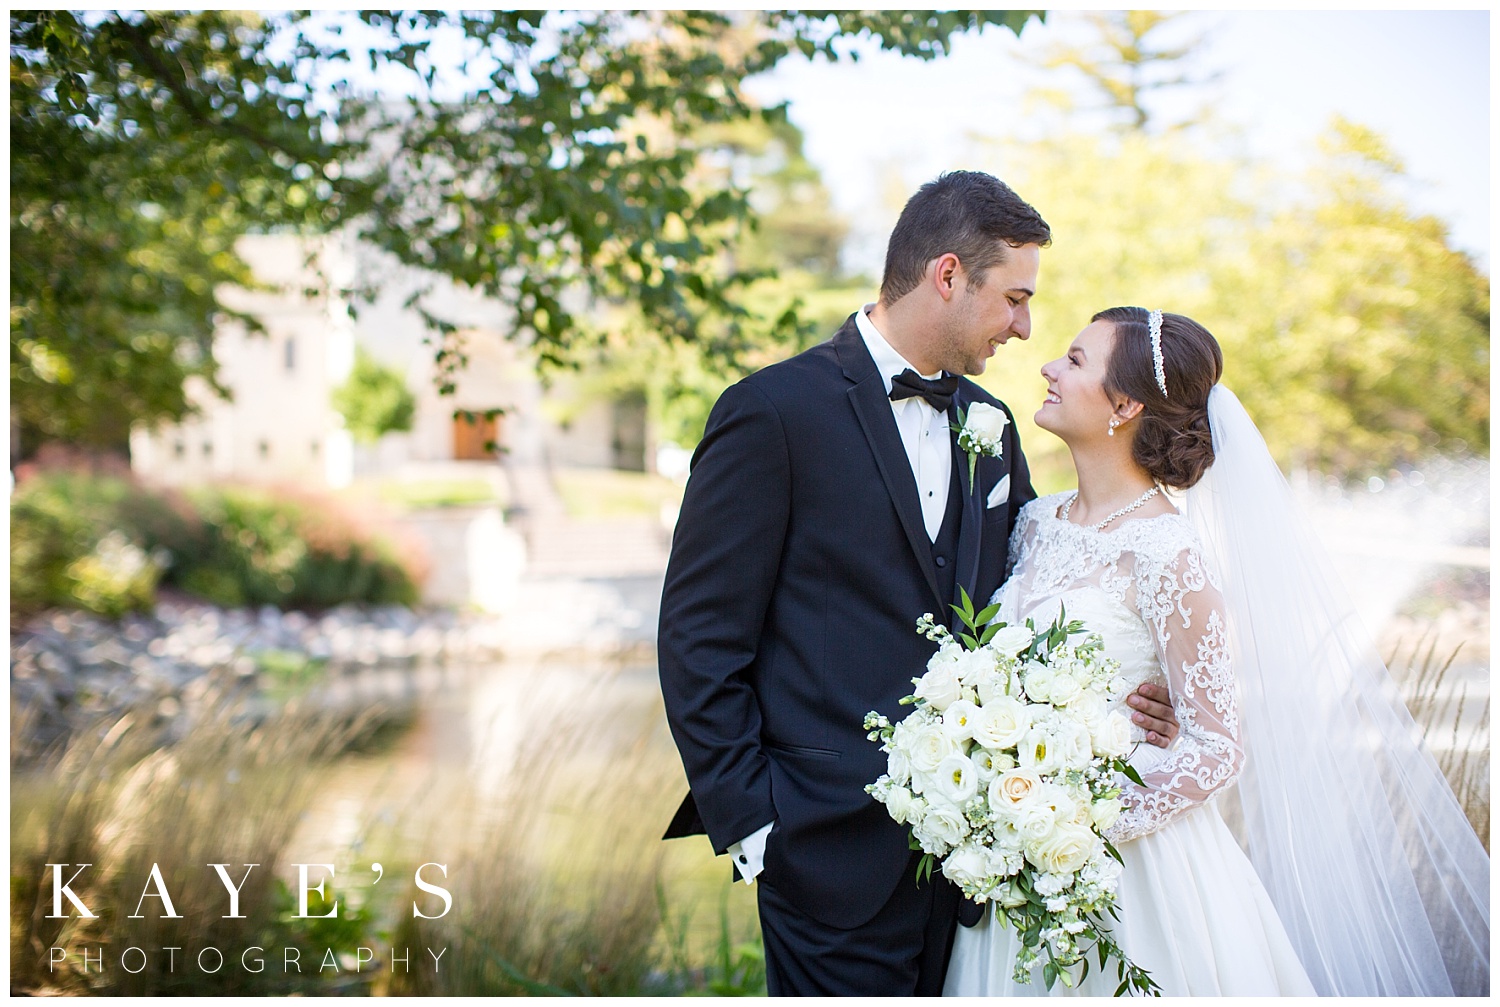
(999,494)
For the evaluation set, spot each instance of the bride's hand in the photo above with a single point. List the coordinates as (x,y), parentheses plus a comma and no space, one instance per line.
(1153,713)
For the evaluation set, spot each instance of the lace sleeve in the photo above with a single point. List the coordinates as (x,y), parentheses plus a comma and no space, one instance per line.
(1185,612)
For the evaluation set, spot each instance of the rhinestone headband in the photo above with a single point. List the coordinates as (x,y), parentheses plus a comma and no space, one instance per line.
(1161,368)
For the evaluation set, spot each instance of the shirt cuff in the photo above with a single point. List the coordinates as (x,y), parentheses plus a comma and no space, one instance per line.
(750,853)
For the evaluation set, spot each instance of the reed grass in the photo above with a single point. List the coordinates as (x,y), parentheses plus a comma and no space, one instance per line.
(1462,752)
(229,791)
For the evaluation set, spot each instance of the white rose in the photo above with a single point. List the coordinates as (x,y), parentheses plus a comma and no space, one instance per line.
(1035,822)
(956,780)
(898,766)
(990,686)
(972,665)
(1014,789)
(959,720)
(940,686)
(1112,739)
(1038,681)
(1002,723)
(1012,639)
(968,866)
(986,421)
(1066,850)
(930,745)
(1072,746)
(898,803)
(1105,812)
(944,826)
(1089,710)
(1005,761)
(1011,896)
(1063,689)
(1036,751)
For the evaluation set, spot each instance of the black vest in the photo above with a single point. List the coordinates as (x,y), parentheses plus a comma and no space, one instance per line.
(945,547)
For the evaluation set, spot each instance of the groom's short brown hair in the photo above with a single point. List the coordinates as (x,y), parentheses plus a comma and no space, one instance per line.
(969,213)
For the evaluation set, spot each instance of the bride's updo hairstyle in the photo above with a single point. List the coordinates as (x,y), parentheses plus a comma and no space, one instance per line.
(1172,440)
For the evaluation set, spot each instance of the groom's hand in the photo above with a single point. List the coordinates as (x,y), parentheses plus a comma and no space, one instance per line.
(1153,712)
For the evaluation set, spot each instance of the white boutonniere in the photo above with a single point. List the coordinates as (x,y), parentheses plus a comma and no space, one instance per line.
(981,432)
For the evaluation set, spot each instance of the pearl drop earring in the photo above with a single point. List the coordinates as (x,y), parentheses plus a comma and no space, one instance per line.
(1114,421)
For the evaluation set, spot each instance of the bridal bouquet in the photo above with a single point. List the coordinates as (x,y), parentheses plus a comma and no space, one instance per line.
(1005,771)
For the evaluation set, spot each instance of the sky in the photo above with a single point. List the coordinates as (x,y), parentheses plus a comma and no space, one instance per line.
(1419,79)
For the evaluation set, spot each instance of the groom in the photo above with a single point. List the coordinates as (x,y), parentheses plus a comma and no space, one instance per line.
(828,507)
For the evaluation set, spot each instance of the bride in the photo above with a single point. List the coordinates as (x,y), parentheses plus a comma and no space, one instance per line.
(1362,876)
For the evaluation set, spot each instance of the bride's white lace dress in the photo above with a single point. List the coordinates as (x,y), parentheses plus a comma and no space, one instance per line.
(1192,910)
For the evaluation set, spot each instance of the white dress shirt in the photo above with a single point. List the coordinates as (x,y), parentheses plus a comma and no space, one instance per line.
(924,431)
(927,439)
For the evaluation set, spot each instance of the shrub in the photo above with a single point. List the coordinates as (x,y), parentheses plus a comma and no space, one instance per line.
(94,540)
(289,551)
(86,537)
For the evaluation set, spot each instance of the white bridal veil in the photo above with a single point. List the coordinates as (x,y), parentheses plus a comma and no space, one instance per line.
(1373,867)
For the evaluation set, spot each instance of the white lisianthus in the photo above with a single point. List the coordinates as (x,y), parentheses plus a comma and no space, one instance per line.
(1113,739)
(1064,851)
(1064,808)
(1036,751)
(984,764)
(1105,812)
(930,745)
(1002,723)
(959,720)
(1011,640)
(1007,838)
(940,686)
(956,780)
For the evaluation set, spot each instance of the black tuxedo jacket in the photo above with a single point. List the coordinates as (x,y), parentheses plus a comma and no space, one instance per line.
(799,566)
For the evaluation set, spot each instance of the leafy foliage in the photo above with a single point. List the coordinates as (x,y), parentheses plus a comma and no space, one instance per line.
(101,541)
(374,401)
(551,154)
(1354,333)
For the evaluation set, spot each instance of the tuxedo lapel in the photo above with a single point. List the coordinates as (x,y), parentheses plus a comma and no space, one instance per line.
(967,570)
(872,407)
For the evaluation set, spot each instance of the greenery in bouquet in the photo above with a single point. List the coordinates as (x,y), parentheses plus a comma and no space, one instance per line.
(1008,771)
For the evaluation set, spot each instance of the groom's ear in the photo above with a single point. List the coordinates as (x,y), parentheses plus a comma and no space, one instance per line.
(946,272)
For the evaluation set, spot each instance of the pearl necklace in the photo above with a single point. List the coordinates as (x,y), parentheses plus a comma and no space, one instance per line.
(1140,501)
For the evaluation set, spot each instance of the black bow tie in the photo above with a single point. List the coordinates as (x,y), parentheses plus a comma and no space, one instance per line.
(937,391)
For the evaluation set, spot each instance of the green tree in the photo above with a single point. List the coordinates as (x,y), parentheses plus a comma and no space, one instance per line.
(552,152)
(1355,335)
(1125,64)
(374,400)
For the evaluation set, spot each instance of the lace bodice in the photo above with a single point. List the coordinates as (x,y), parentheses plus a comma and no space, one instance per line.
(1144,586)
